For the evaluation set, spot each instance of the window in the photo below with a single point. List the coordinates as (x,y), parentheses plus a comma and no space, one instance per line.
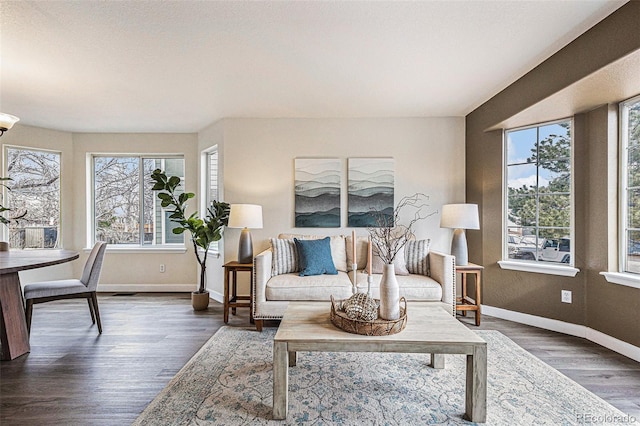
(126,210)
(538,193)
(211,189)
(630,200)
(35,189)
(212,177)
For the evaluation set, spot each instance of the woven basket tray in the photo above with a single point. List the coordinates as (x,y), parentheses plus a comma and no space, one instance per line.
(378,327)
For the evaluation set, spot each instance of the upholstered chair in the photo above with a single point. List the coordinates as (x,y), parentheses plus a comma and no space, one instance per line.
(85,287)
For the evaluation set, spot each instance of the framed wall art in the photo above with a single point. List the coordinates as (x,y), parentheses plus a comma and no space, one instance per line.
(371,187)
(317,192)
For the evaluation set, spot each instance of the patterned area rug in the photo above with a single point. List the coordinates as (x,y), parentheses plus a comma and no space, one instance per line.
(229,382)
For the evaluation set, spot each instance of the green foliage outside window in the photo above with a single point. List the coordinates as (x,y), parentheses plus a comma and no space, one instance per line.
(542,207)
(633,165)
(631,138)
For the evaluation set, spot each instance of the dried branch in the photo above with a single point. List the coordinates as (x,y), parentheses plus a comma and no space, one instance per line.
(388,235)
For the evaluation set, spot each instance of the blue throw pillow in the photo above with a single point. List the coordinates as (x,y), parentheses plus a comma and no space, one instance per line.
(314,257)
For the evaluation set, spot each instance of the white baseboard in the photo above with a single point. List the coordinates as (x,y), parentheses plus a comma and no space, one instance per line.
(218,297)
(147,288)
(588,333)
(614,344)
(156,288)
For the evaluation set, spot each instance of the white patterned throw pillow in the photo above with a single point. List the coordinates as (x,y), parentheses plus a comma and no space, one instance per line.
(416,257)
(377,265)
(285,256)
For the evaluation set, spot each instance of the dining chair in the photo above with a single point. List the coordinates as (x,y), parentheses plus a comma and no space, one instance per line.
(85,287)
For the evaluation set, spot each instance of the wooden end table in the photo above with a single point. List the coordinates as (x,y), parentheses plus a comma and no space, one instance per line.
(231,298)
(465,303)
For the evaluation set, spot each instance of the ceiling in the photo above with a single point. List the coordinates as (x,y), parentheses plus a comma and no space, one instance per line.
(178,66)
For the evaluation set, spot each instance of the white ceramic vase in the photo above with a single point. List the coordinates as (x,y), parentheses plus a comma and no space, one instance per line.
(389,294)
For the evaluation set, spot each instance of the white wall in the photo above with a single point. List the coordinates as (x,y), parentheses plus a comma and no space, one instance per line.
(259,167)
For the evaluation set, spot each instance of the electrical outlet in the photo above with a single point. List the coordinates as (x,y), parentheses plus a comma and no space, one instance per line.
(162,267)
(566,296)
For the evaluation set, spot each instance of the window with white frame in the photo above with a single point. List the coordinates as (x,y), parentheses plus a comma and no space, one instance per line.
(212,176)
(126,210)
(630,199)
(538,223)
(212,192)
(34,197)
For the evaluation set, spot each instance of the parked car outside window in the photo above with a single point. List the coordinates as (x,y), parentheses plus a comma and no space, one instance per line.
(556,250)
(525,248)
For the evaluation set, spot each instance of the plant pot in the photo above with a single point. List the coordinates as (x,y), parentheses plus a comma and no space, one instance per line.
(200,301)
(4,246)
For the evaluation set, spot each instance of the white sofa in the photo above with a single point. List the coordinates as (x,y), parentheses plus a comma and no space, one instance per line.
(272,293)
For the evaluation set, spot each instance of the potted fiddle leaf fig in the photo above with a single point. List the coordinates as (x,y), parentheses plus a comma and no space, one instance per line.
(203,230)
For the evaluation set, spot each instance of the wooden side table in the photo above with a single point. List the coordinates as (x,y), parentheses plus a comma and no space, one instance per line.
(231,298)
(465,303)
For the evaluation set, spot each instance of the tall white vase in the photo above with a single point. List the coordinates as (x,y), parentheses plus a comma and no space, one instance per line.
(389,294)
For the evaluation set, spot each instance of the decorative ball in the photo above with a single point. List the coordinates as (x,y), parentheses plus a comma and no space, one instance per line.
(361,307)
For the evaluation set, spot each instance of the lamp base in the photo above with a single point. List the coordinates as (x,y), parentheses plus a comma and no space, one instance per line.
(245,247)
(459,247)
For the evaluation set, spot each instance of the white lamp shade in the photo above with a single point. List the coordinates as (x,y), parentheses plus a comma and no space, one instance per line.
(460,216)
(245,216)
(7,121)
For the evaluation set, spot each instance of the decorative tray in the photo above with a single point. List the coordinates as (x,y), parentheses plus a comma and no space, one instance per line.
(377,327)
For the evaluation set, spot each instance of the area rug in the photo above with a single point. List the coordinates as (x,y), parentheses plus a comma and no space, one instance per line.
(229,382)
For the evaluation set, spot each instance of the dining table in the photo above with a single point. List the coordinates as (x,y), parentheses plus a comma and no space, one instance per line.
(14,336)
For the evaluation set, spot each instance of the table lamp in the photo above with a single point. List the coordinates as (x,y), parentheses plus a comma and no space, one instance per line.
(245,216)
(460,217)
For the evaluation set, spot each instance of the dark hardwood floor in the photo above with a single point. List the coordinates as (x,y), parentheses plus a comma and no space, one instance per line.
(73,376)
(613,377)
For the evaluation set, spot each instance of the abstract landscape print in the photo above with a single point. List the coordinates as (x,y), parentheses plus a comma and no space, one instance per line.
(371,187)
(317,192)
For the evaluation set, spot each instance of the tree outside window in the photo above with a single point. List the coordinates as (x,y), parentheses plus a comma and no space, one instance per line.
(539,193)
(126,211)
(35,188)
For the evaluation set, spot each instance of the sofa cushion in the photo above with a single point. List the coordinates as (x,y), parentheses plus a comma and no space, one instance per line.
(362,244)
(338,251)
(285,256)
(398,263)
(416,256)
(314,257)
(316,287)
(412,287)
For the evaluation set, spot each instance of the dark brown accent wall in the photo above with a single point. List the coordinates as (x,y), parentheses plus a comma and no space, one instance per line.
(609,308)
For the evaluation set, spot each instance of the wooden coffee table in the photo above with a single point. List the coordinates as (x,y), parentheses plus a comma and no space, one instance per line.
(306,326)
